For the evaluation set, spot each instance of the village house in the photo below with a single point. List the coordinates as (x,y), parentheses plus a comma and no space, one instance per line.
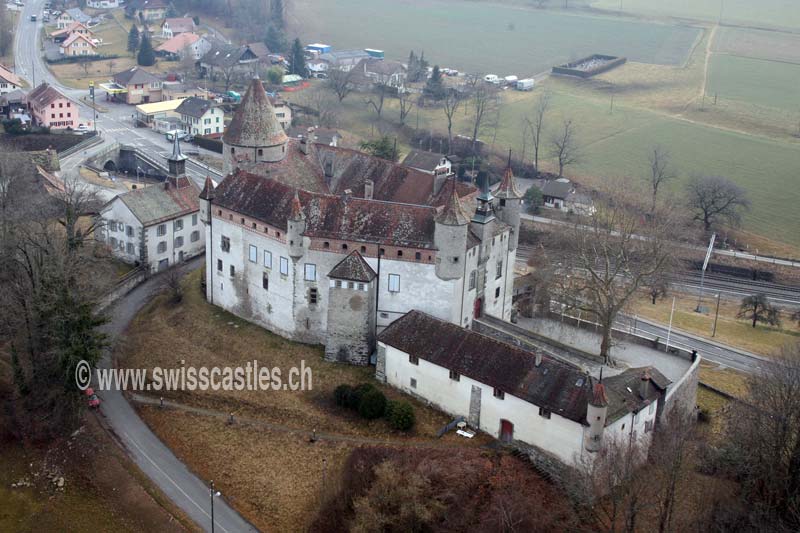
(428,162)
(69,16)
(158,225)
(178,47)
(78,44)
(103,4)
(49,108)
(161,116)
(200,116)
(342,59)
(283,111)
(9,81)
(374,71)
(225,59)
(289,212)
(316,135)
(176,26)
(149,10)
(560,194)
(546,407)
(137,86)
(61,35)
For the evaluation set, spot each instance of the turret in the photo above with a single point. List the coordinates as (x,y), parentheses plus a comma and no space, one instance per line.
(509,204)
(482,222)
(450,237)
(176,160)
(206,199)
(297,226)
(596,414)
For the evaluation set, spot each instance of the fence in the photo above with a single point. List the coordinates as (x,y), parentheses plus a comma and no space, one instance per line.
(92,140)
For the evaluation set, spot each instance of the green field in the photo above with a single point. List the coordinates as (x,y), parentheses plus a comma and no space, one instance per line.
(756,81)
(759,44)
(757,13)
(481,37)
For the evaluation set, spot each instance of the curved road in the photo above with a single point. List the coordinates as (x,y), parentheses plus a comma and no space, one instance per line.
(184,488)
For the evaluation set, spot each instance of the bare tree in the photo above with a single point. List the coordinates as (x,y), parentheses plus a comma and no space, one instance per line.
(714,199)
(406,105)
(670,453)
(340,81)
(379,92)
(564,147)
(322,105)
(79,206)
(758,308)
(450,104)
(484,103)
(603,262)
(536,125)
(171,284)
(660,171)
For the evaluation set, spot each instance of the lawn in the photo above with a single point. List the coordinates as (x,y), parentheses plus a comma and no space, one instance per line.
(484,37)
(759,13)
(264,463)
(756,81)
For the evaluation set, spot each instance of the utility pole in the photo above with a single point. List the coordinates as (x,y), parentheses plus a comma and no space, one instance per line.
(669,330)
(716,316)
(699,308)
(94,108)
(214,494)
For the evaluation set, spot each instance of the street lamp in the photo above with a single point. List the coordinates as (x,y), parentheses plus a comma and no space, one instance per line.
(214,493)
(94,108)
(138,169)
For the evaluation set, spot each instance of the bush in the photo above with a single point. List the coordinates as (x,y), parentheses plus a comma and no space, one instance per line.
(400,415)
(215,145)
(354,398)
(341,394)
(372,404)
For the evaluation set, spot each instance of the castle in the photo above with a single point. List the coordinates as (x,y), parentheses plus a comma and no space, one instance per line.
(327,245)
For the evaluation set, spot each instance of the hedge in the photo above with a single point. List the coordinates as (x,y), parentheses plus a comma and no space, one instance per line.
(82,59)
(215,145)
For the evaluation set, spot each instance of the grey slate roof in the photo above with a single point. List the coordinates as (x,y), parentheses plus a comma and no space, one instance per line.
(78,15)
(156,204)
(353,268)
(422,160)
(556,189)
(624,391)
(134,76)
(194,107)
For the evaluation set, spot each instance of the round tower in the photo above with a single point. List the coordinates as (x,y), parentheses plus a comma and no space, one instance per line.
(596,413)
(450,237)
(296,227)
(509,205)
(254,134)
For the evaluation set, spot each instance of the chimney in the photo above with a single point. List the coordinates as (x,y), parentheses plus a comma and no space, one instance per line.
(538,358)
(304,145)
(643,384)
(369,188)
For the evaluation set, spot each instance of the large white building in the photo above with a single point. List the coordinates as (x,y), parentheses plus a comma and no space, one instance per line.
(547,407)
(293,219)
(158,225)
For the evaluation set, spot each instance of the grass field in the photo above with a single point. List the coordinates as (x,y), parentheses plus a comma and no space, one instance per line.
(481,37)
(758,44)
(757,81)
(760,13)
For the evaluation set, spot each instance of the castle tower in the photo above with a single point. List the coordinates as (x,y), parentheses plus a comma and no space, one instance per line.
(205,201)
(351,311)
(297,226)
(254,134)
(509,204)
(482,223)
(176,160)
(596,413)
(450,236)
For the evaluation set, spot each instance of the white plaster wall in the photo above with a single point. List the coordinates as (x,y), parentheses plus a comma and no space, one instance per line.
(117,211)
(557,435)
(189,248)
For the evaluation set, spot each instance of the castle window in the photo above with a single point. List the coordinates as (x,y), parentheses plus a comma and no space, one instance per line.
(499,394)
(544,413)
(233,270)
(363,249)
(161,230)
(399,253)
(177,225)
(242,220)
(178,242)
(502,202)
(473,279)
(648,426)
(394,283)
(233,150)
(219,265)
(413,383)
(499,272)
(382,251)
(337,284)
(195,236)
(312,296)
(194,220)
(284,266)
(260,152)
(417,256)
(455,376)
(266,230)
(344,246)
(361,287)
(455,259)
(225,244)
(254,226)
(413,359)
(253,254)
(326,245)
(162,247)
(497,292)
(310,272)
(267,259)
(277,234)
(265,281)
(219,212)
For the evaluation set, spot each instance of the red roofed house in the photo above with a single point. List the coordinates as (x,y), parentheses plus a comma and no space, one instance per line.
(175,26)
(283,225)
(9,81)
(158,225)
(75,27)
(78,44)
(185,43)
(52,109)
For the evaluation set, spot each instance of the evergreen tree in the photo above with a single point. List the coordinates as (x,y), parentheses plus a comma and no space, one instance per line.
(411,69)
(298,59)
(383,148)
(434,88)
(133,39)
(146,57)
(276,13)
(275,39)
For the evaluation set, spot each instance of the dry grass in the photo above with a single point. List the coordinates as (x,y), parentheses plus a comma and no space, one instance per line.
(727,380)
(273,476)
(763,340)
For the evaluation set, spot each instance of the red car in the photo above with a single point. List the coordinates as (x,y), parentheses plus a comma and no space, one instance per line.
(94,401)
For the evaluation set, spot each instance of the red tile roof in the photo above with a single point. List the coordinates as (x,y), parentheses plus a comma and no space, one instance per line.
(178,43)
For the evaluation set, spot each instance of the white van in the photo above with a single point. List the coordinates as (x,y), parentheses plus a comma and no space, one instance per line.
(491,78)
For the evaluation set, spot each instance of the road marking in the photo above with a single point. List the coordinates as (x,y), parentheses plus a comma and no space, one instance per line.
(171,480)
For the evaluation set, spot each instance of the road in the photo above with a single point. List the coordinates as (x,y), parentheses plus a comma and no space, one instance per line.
(115,125)
(184,488)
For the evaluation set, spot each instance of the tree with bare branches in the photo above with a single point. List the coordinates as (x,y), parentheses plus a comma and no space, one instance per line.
(564,147)
(341,82)
(406,105)
(660,171)
(536,125)
(376,101)
(714,199)
(484,104)
(450,105)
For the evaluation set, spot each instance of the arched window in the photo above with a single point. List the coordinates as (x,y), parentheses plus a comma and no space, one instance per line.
(399,253)
(326,245)
(344,246)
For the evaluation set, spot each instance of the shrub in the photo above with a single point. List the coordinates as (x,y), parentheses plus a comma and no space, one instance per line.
(401,416)
(341,394)
(372,404)
(354,398)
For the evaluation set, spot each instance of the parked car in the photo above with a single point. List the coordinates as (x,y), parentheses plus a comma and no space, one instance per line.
(491,78)
(182,135)
(82,128)
(94,401)
(33,18)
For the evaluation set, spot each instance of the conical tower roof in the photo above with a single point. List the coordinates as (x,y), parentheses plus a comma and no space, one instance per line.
(453,213)
(254,124)
(208,190)
(507,189)
(297,209)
